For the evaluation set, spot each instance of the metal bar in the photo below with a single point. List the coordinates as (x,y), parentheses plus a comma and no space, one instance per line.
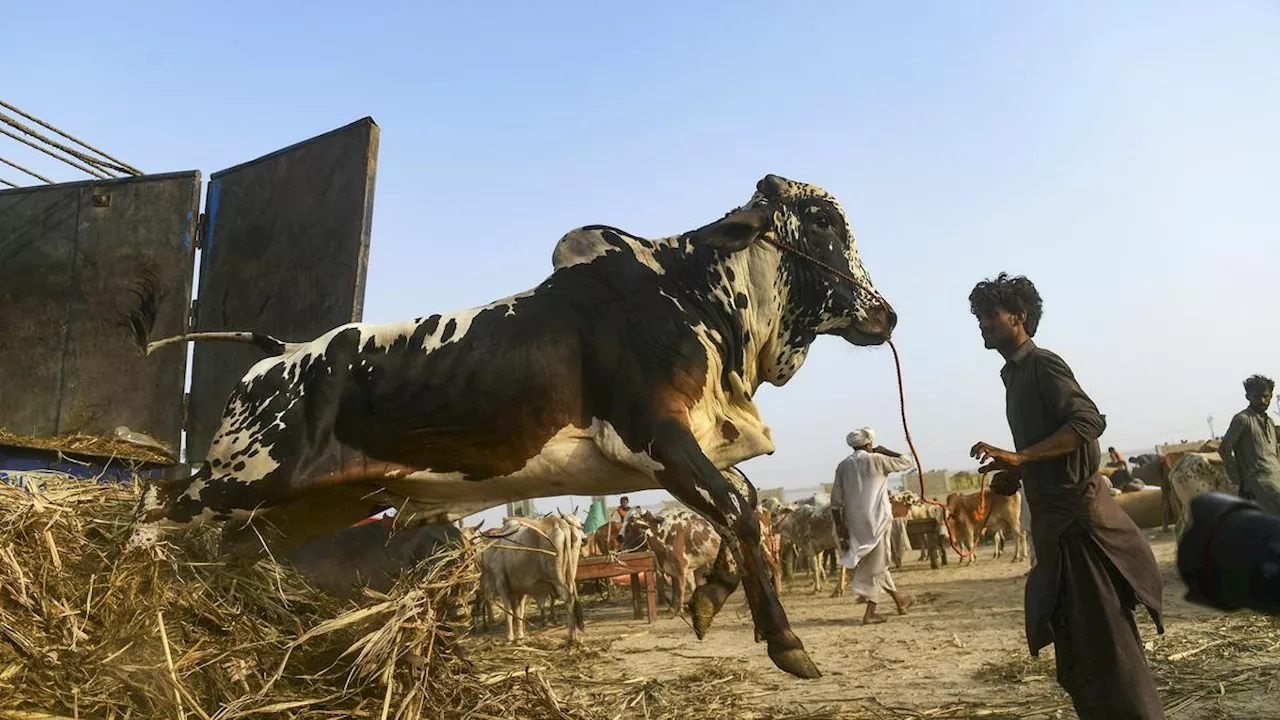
(6,182)
(18,167)
(103,166)
(52,154)
(110,168)
(122,164)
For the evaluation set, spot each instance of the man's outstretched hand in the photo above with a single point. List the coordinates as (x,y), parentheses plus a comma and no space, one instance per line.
(996,460)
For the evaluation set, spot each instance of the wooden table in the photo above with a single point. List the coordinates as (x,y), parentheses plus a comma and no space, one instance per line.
(603,566)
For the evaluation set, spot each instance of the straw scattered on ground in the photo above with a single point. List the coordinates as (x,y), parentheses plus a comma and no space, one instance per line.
(89,630)
(91,445)
(1194,660)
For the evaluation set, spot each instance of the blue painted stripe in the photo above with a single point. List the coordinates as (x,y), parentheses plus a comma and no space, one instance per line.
(211,215)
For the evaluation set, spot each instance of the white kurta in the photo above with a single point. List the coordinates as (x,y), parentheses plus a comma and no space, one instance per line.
(862,489)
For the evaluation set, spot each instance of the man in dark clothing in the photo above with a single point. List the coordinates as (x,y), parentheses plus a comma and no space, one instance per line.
(1249,448)
(1094,565)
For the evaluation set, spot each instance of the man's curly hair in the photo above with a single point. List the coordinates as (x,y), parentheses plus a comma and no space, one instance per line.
(1259,383)
(1011,294)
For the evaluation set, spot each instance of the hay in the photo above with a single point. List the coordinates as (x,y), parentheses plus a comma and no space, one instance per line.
(91,445)
(1196,660)
(86,631)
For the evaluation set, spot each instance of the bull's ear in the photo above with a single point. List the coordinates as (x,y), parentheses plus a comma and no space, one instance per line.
(734,231)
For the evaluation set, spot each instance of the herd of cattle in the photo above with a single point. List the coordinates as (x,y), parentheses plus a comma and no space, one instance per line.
(537,558)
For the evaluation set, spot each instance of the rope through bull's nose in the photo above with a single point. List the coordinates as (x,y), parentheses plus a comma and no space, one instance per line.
(902,406)
(902,395)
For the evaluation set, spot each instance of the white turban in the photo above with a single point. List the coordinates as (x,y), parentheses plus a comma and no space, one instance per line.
(861,437)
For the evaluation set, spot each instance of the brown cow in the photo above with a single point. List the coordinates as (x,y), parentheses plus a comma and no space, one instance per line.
(604,539)
(1003,515)
(684,545)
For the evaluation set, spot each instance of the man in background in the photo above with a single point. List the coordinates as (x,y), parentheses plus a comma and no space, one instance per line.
(1248,449)
(860,498)
(620,513)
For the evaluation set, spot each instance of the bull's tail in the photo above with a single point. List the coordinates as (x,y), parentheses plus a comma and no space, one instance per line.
(271,346)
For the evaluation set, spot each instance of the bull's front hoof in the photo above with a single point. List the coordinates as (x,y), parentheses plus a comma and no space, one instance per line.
(702,611)
(794,660)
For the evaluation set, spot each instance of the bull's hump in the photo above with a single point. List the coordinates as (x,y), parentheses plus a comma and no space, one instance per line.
(588,244)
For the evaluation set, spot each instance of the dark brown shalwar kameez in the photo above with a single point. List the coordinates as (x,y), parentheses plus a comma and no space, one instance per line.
(1094,565)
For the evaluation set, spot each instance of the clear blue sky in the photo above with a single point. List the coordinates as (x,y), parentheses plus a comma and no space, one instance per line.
(1123,155)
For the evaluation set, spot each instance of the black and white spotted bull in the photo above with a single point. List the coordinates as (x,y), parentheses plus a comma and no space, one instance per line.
(632,366)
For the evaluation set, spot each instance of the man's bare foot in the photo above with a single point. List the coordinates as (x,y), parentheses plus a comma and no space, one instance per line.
(872,620)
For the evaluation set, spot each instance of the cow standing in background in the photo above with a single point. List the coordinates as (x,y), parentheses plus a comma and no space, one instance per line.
(811,532)
(683,543)
(1195,474)
(535,558)
(1157,471)
(604,539)
(907,506)
(1003,518)
(632,367)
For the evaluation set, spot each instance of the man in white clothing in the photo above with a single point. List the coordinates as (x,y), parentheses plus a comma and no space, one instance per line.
(861,498)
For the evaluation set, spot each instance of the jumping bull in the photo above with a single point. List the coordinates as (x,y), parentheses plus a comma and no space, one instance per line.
(633,366)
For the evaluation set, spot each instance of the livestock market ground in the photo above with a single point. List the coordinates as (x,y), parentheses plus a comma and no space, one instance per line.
(959,653)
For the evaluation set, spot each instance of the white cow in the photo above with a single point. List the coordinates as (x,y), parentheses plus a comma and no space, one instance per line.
(1195,474)
(535,558)
(915,509)
(810,532)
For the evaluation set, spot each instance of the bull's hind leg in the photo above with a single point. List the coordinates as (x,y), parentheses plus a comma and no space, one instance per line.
(727,501)
(276,428)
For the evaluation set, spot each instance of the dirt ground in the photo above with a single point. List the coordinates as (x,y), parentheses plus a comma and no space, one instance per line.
(960,652)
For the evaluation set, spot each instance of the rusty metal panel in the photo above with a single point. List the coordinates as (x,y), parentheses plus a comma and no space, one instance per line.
(37,243)
(286,249)
(89,272)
